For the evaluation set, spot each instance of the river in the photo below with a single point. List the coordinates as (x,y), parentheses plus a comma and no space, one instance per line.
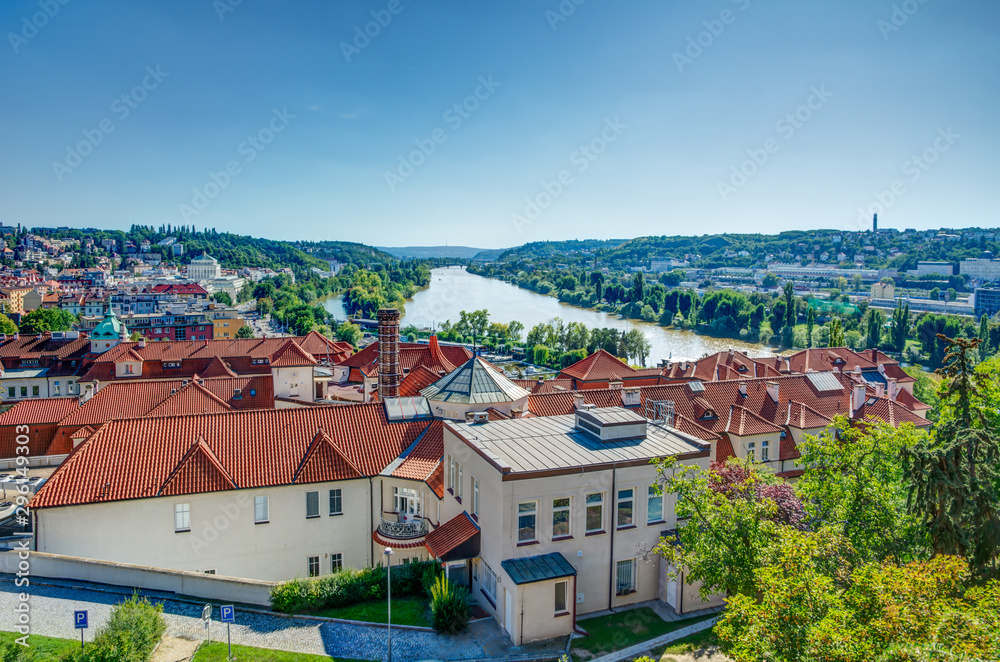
(453,289)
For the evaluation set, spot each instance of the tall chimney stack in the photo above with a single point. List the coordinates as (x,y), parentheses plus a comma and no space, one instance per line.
(388,353)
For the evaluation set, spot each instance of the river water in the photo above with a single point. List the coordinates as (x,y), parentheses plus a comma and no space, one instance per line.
(453,289)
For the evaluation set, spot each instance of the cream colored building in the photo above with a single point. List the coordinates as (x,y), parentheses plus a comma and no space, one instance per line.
(205,267)
(569,514)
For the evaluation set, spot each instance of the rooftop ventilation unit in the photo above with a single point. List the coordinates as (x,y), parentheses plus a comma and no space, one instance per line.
(610,424)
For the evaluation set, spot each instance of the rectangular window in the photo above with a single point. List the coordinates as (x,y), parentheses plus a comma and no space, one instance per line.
(260,509)
(34,391)
(654,506)
(11,391)
(526,512)
(312,504)
(56,388)
(560,517)
(475,496)
(595,512)
(24,391)
(458,481)
(182,517)
(626,499)
(625,577)
(560,606)
(336,502)
(451,474)
(489,582)
(313,566)
(765,451)
(336,562)
(752,451)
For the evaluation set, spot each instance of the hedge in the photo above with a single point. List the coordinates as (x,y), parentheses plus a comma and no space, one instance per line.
(350,586)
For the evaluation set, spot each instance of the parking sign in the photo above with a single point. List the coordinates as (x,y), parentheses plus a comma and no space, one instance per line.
(80,619)
(228,614)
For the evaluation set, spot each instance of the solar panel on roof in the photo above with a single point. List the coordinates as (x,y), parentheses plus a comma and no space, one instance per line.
(824,381)
(696,386)
(406,409)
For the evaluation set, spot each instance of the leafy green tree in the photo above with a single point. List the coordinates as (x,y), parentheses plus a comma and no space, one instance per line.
(540,355)
(770,280)
(47,319)
(637,346)
(514,331)
(223,298)
(7,325)
(984,330)
(244,332)
(875,320)
(475,324)
(955,475)
(810,324)
(597,280)
(900,326)
(836,334)
(264,306)
(935,293)
(637,284)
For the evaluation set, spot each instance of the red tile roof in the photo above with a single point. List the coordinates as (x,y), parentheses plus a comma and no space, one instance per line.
(496,414)
(545,386)
(743,422)
(417,380)
(411,355)
(396,544)
(134,458)
(291,354)
(323,348)
(198,471)
(37,411)
(324,462)
(891,412)
(910,401)
(724,449)
(805,417)
(425,457)
(180,288)
(192,399)
(601,366)
(721,366)
(217,368)
(450,535)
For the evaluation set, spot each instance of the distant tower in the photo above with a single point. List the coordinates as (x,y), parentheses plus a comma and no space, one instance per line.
(388,353)
(875,223)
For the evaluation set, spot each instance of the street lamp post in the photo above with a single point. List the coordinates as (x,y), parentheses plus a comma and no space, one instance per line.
(388,582)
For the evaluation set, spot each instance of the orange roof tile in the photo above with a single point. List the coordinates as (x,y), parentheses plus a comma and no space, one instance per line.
(292,355)
(417,380)
(324,462)
(39,410)
(450,535)
(198,471)
(425,456)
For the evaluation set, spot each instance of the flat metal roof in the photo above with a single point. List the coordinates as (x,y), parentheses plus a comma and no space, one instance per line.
(523,445)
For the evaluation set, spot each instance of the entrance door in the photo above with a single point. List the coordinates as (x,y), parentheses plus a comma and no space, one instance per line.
(508,621)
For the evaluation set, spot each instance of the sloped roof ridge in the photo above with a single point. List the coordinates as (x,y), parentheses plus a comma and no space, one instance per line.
(315,445)
(200,446)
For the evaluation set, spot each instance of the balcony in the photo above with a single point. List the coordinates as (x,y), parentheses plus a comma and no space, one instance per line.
(391,528)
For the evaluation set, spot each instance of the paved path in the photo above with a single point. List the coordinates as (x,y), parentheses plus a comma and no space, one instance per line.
(175,649)
(53,602)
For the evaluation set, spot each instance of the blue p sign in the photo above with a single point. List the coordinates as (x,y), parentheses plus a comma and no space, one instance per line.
(228,614)
(80,619)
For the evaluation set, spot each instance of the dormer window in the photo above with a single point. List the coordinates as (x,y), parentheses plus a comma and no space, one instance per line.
(741,368)
(709,414)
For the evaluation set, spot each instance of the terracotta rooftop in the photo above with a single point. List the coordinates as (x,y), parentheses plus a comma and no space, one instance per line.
(136,458)
(38,411)
(450,535)
(418,379)
(604,366)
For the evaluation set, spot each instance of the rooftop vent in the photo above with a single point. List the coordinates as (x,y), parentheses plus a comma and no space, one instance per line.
(611,424)
(476,417)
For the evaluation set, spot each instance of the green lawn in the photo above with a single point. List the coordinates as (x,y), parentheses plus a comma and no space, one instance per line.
(218,652)
(405,611)
(46,648)
(688,644)
(616,631)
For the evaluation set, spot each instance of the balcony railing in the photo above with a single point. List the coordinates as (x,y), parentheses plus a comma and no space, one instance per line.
(401,530)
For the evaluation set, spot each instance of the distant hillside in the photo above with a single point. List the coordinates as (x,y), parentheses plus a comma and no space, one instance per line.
(544,249)
(428,252)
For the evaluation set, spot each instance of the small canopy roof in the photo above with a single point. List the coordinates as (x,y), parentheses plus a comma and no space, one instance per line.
(475,382)
(543,567)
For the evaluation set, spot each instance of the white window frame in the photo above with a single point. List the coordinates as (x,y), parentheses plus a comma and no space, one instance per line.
(765,451)
(489,583)
(594,504)
(336,495)
(533,514)
(752,451)
(312,562)
(475,497)
(630,585)
(261,509)
(314,494)
(565,598)
(620,501)
(336,562)
(651,497)
(182,517)
(568,509)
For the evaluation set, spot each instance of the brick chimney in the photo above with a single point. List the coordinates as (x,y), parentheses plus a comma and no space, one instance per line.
(772,390)
(388,353)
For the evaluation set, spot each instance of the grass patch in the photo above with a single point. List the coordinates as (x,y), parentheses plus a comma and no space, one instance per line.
(48,649)
(405,611)
(218,652)
(688,644)
(616,631)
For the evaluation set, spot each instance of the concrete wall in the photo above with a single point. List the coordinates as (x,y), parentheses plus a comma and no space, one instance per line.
(293,382)
(213,587)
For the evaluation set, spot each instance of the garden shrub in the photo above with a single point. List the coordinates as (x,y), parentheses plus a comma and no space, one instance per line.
(347,587)
(130,635)
(449,606)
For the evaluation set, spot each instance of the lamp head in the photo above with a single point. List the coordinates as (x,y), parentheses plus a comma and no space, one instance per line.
(388,551)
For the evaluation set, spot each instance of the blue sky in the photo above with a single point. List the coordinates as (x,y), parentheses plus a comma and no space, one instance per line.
(599,119)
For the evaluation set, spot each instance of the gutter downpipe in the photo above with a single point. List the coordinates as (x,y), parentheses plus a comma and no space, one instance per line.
(611,559)
(371,520)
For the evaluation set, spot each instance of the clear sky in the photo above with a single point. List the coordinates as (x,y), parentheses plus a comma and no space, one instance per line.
(493,124)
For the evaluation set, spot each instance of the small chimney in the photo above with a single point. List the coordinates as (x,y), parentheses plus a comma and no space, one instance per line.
(743,389)
(879,390)
(857,398)
(730,352)
(469,416)
(881,368)
(892,386)
(772,391)
(388,352)
(857,367)
(142,342)
(631,397)
(541,380)
(577,401)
